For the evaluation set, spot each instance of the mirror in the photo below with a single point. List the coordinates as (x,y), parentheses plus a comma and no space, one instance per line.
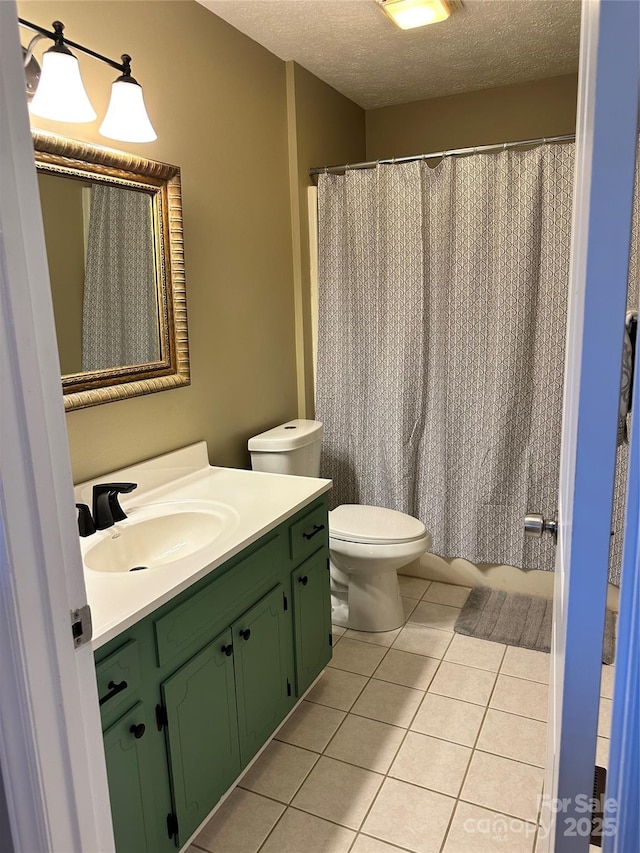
(113,232)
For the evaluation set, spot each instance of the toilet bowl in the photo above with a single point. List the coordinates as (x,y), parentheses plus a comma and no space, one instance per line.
(367,544)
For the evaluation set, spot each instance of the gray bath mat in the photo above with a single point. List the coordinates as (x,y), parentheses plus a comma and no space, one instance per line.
(517,620)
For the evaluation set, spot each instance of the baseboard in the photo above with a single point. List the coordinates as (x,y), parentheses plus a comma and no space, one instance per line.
(463,573)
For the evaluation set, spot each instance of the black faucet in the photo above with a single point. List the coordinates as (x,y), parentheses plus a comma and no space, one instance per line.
(106,509)
(85,521)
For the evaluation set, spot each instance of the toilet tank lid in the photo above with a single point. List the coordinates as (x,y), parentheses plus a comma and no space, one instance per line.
(289,436)
(359,523)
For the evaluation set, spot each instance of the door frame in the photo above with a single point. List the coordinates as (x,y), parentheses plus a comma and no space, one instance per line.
(51,753)
(606,141)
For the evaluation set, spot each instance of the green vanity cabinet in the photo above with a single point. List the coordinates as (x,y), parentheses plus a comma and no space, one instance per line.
(263,661)
(135,819)
(312,618)
(210,675)
(202,732)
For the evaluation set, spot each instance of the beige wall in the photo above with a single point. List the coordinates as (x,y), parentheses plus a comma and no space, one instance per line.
(324,128)
(61,200)
(244,130)
(505,114)
(218,103)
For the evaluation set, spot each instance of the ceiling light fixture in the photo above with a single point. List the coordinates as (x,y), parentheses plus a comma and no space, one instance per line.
(409,14)
(60,94)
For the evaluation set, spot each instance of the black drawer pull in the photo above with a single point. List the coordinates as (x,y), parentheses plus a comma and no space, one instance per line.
(316,529)
(227,650)
(137,731)
(304,580)
(114,689)
(245,633)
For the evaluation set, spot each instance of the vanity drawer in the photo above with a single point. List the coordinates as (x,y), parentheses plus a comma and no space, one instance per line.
(118,678)
(309,533)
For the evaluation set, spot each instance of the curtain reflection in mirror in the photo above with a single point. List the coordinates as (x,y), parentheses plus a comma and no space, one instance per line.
(120,311)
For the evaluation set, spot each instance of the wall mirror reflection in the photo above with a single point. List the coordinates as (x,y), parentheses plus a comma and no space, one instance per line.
(116,270)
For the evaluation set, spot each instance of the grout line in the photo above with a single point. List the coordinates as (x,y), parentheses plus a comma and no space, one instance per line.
(473,750)
(401,744)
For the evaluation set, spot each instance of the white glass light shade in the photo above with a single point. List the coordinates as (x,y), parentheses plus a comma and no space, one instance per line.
(408,14)
(126,117)
(60,94)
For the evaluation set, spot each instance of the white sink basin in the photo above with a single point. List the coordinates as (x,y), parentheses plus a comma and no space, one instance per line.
(159,535)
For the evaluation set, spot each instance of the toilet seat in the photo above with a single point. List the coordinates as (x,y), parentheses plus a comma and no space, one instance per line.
(373,525)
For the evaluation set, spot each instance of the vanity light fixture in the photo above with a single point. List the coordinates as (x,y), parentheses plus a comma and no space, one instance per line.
(60,94)
(409,14)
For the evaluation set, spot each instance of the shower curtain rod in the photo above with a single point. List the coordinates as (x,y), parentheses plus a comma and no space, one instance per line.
(454,152)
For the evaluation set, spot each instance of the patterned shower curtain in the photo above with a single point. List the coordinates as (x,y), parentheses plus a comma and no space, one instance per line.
(120,312)
(443,295)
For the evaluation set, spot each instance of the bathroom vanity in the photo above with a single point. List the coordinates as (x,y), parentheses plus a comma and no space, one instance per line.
(195,678)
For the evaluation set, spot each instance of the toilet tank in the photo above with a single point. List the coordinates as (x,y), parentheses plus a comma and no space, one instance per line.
(291,448)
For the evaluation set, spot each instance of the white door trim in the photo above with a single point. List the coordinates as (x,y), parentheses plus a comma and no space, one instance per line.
(51,755)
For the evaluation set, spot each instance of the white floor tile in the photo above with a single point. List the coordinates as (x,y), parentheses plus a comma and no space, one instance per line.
(338,792)
(388,703)
(470,651)
(367,743)
(337,631)
(311,726)
(354,656)
(423,641)
(299,832)
(463,682)
(477,830)
(434,615)
(279,771)
(408,606)
(431,763)
(503,785)
(518,696)
(525,663)
(240,825)
(337,688)
(446,593)
(512,736)
(366,844)
(604,718)
(449,719)
(410,817)
(602,752)
(606,683)
(407,669)
(412,587)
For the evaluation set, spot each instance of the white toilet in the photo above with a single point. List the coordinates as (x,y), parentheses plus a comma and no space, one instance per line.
(367,544)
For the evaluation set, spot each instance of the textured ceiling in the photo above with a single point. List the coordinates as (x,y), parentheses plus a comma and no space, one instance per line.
(354,47)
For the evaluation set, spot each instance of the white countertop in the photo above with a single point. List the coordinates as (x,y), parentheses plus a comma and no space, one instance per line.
(258,502)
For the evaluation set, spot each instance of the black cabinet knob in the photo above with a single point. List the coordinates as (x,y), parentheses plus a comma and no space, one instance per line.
(245,633)
(137,731)
(227,650)
(304,580)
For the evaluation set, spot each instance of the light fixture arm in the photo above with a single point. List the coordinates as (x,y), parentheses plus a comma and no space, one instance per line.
(28,51)
(61,40)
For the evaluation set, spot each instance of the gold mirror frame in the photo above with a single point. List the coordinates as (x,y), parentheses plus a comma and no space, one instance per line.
(70,158)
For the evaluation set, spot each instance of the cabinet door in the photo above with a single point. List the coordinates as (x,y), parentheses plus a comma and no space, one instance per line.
(202,733)
(312,619)
(135,822)
(263,663)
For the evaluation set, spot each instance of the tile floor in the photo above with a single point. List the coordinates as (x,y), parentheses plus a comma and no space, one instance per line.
(416,740)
